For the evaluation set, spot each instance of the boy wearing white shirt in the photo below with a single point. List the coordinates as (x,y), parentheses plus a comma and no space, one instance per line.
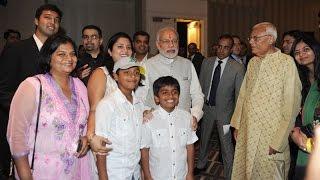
(167,139)
(119,118)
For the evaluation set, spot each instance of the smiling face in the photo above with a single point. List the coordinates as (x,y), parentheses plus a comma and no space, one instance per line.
(63,60)
(141,44)
(122,48)
(168,98)
(48,23)
(304,55)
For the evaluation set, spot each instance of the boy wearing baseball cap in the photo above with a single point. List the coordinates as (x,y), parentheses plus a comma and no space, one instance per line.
(119,118)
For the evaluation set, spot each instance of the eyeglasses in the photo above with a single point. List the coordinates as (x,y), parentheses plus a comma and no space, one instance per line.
(168,42)
(94,37)
(303,50)
(256,38)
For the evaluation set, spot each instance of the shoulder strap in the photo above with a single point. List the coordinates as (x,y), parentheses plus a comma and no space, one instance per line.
(105,70)
(37,124)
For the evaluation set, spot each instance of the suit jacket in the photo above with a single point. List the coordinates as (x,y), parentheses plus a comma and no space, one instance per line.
(197,62)
(228,88)
(17,62)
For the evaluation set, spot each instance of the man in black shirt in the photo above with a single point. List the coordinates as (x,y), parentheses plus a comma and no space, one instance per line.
(93,56)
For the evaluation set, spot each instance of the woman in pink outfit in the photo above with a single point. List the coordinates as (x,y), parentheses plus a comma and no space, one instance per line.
(62,121)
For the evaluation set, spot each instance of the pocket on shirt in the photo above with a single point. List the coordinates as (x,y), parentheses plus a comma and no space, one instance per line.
(185,84)
(160,138)
(122,126)
(183,136)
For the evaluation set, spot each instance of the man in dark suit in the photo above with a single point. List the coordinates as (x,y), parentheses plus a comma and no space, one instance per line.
(220,80)
(17,62)
(195,56)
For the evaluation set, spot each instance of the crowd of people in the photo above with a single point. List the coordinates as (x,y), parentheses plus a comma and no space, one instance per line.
(122,113)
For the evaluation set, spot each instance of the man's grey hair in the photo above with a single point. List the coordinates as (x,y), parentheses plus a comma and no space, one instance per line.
(168,28)
(270,29)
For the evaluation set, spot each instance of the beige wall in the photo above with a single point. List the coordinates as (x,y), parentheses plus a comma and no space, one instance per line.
(238,16)
(18,15)
(111,15)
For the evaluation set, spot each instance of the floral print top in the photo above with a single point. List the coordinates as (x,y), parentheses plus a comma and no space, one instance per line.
(61,122)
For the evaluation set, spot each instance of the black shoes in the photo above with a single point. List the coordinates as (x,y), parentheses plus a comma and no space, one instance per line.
(196,171)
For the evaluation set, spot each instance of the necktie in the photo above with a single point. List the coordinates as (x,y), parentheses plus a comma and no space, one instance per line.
(214,84)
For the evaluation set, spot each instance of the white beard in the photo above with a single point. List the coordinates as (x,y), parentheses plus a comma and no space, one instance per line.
(169,55)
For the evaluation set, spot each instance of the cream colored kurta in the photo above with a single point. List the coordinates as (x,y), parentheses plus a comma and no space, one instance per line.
(268,103)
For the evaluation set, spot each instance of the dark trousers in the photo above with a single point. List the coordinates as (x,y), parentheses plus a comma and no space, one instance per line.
(210,122)
(5,155)
(293,159)
(294,171)
(300,172)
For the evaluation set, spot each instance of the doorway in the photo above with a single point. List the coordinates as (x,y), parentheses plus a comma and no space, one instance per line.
(189,32)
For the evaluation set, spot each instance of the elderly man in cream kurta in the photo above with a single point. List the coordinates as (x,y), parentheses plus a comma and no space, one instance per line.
(266,109)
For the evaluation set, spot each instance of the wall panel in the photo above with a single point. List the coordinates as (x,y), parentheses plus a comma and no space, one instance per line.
(238,16)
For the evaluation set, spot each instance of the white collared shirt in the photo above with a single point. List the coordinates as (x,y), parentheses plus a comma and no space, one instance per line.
(38,42)
(191,96)
(167,135)
(191,58)
(120,121)
(141,63)
(237,58)
(222,65)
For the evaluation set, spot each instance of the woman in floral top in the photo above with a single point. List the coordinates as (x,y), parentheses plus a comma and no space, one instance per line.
(62,120)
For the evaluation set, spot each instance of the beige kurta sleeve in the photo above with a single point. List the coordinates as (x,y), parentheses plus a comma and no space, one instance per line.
(236,117)
(290,108)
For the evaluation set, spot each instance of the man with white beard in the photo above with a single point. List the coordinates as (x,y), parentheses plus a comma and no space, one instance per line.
(168,63)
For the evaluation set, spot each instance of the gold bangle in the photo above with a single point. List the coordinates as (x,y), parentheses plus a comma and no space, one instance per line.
(309,145)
